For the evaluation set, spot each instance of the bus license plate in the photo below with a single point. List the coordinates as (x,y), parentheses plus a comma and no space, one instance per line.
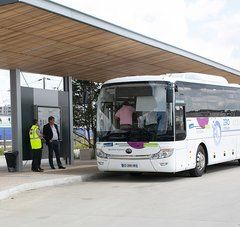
(129,165)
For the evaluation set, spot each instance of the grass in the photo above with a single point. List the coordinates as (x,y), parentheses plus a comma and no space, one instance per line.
(1,150)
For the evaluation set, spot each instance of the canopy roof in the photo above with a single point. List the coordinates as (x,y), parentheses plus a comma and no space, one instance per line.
(43,37)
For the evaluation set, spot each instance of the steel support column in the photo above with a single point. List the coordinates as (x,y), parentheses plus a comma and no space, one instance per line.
(67,83)
(16,115)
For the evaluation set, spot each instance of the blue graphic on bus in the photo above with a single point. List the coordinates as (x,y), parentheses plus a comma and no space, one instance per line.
(217,132)
(191,126)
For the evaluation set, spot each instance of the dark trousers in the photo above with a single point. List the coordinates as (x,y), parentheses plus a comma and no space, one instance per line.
(54,146)
(36,158)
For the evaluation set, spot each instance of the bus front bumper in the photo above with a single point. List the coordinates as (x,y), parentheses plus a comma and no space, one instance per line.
(144,165)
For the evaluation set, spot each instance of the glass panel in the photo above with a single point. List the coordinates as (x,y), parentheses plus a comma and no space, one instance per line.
(134,112)
(209,100)
(180,123)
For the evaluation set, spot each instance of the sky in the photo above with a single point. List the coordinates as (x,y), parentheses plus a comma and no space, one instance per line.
(209,28)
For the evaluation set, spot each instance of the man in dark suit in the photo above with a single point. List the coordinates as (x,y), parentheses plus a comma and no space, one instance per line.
(51,135)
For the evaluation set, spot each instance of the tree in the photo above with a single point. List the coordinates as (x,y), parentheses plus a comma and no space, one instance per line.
(85,94)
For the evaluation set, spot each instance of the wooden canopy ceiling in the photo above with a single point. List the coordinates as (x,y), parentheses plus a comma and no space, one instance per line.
(43,37)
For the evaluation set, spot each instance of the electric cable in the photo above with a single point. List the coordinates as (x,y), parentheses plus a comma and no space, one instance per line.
(60,84)
(24,79)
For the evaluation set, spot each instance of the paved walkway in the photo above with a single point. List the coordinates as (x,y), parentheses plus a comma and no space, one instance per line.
(169,200)
(13,183)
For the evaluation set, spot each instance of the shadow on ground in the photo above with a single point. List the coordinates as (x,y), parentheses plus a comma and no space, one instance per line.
(166,177)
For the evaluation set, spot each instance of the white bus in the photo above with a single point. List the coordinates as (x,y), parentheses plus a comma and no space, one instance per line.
(172,123)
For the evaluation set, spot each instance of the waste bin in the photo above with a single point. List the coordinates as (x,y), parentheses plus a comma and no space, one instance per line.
(11,158)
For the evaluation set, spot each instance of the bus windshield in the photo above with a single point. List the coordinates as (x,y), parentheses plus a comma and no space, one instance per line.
(134,112)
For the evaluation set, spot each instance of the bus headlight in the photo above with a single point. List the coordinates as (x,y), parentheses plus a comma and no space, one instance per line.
(101,154)
(163,153)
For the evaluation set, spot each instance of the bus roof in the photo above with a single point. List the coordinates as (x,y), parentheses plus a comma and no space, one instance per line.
(185,77)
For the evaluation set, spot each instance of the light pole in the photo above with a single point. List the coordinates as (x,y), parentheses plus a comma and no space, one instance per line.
(44,81)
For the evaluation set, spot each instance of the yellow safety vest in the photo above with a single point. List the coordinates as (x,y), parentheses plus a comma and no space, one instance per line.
(35,140)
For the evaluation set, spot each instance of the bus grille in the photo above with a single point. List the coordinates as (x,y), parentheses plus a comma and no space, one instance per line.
(130,157)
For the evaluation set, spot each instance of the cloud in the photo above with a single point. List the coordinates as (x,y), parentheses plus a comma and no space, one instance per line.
(4,88)
(216,37)
(152,18)
(201,10)
(204,27)
(209,28)
(33,80)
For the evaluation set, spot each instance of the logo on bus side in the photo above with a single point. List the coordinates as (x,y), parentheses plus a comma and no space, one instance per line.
(226,124)
(191,126)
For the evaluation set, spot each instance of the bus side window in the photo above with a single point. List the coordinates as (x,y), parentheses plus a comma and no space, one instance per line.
(180,123)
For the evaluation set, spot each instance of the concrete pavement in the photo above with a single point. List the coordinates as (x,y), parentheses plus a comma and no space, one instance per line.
(123,200)
(17,182)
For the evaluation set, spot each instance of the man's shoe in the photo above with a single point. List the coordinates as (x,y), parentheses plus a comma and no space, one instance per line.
(62,167)
(52,167)
(41,170)
(36,170)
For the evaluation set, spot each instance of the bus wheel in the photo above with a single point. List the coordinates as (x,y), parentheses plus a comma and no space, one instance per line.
(135,174)
(238,161)
(200,163)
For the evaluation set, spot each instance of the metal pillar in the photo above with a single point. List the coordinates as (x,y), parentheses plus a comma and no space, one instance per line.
(67,84)
(16,112)
(4,139)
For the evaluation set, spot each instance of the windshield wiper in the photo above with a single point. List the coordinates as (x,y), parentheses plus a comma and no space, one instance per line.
(140,134)
(112,135)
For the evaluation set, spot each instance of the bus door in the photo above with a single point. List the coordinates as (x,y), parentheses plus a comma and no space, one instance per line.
(180,137)
(238,147)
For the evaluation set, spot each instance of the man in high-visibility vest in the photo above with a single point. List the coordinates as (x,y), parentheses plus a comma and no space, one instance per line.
(36,145)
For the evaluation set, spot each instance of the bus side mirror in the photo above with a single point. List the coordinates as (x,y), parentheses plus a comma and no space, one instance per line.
(169,95)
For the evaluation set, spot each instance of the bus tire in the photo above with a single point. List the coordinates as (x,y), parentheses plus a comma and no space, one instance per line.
(238,161)
(201,162)
(135,174)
